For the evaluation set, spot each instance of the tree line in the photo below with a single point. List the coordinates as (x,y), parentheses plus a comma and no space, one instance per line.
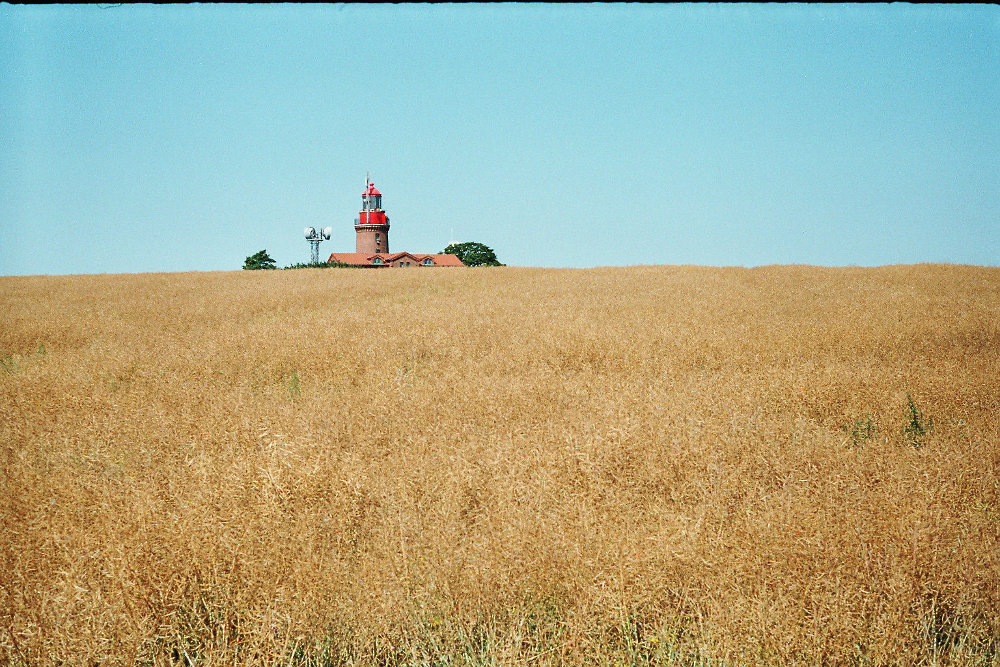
(471,253)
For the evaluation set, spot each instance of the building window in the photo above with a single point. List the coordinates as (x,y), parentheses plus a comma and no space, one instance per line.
(377,260)
(428,261)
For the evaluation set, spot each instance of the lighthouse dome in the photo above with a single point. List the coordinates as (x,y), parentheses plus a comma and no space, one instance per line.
(371,198)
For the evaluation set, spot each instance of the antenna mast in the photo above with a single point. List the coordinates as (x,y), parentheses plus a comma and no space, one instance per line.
(315,236)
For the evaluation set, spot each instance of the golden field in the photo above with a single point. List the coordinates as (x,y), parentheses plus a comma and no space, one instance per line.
(635,466)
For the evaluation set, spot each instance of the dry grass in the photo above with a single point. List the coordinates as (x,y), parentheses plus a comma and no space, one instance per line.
(648,465)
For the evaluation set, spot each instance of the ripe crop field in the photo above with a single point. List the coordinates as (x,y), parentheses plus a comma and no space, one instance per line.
(637,466)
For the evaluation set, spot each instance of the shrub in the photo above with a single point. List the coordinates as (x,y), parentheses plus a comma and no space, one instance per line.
(919,425)
(259,260)
(862,430)
(319,265)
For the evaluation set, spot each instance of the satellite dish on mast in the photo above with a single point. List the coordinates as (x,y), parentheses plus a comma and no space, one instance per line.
(310,232)
(327,231)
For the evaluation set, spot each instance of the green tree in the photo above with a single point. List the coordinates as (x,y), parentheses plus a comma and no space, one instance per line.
(259,260)
(473,254)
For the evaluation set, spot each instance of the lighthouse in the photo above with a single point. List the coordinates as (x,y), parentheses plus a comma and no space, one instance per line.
(372,229)
(372,224)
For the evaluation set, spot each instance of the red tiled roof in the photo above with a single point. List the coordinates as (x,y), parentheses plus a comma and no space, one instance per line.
(351,257)
(443,260)
(365,259)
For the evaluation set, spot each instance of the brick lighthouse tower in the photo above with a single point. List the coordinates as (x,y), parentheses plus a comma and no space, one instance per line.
(372,229)
(372,224)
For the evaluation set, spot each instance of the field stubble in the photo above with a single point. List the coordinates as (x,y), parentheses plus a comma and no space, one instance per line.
(644,465)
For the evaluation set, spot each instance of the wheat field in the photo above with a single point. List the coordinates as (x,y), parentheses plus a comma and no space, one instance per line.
(508,466)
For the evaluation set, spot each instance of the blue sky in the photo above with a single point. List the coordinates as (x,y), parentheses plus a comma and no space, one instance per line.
(186,137)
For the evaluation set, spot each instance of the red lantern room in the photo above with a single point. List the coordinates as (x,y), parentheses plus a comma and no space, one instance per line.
(372,224)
